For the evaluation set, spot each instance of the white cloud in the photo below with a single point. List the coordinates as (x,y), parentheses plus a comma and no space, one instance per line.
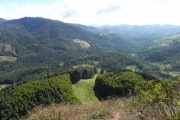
(101,11)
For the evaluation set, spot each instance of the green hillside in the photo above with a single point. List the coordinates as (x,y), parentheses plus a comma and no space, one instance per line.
(17,100)
(165,52)
(166,48)
(35,47)
(29,44)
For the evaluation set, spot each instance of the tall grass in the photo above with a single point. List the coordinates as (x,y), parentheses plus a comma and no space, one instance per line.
(87,111)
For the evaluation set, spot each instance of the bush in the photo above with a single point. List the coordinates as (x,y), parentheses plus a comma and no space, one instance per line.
(116,85)
(157,100)
(82,73)
(18,100)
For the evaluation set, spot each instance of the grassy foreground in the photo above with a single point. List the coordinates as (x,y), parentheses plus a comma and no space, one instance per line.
(112,109)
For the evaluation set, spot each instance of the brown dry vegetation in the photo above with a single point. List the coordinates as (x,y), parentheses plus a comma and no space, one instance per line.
(112,109)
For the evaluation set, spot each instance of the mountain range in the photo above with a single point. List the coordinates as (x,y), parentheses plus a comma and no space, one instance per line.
(28,45)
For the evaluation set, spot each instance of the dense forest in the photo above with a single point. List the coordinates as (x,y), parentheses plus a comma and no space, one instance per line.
(18,100)
(35,47)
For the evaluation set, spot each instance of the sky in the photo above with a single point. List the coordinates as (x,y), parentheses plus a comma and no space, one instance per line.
(95,12)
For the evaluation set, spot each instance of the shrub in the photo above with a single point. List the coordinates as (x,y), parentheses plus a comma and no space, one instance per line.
(118,85)
(82,73)
(157,100)
(18,100)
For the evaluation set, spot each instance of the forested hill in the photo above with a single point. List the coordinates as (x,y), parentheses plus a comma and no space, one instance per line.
(39,39)
(30,43)
(167,48)
(30,46)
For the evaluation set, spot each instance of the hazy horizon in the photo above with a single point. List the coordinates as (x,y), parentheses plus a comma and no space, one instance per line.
(95,12)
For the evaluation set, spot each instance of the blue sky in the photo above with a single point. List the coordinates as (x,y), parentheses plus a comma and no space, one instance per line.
(95,12)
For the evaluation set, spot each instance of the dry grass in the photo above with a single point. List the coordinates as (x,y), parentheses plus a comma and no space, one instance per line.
(105,110)
(64,112)
(3,86)
(8,58)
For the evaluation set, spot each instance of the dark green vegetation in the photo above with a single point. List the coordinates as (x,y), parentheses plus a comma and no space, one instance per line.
(166,48)
(119,84)
(82,72)
(153,43)
(32,48)
(39,43)
(165,51)
(17,100)
(150,99)
(114,61)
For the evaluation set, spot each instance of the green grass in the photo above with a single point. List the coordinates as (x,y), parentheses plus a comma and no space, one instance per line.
(84,90)
(174,74)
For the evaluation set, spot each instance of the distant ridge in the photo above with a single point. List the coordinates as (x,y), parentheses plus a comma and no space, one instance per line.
(2,20)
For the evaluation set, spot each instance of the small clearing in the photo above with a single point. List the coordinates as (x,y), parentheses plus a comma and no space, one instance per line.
(83,44)
(8,59)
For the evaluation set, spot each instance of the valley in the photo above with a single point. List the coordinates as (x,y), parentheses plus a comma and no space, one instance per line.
(30,44)
(55,70)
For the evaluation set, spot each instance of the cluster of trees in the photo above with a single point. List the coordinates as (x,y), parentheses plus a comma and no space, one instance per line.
(116,84)
(82,73)
(115,61)
(17,100)
(25,73)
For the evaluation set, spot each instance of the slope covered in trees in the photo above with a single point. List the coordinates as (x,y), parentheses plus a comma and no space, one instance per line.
(166,48)
(38,43)
(16,101)
(31,45)
(116,85)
